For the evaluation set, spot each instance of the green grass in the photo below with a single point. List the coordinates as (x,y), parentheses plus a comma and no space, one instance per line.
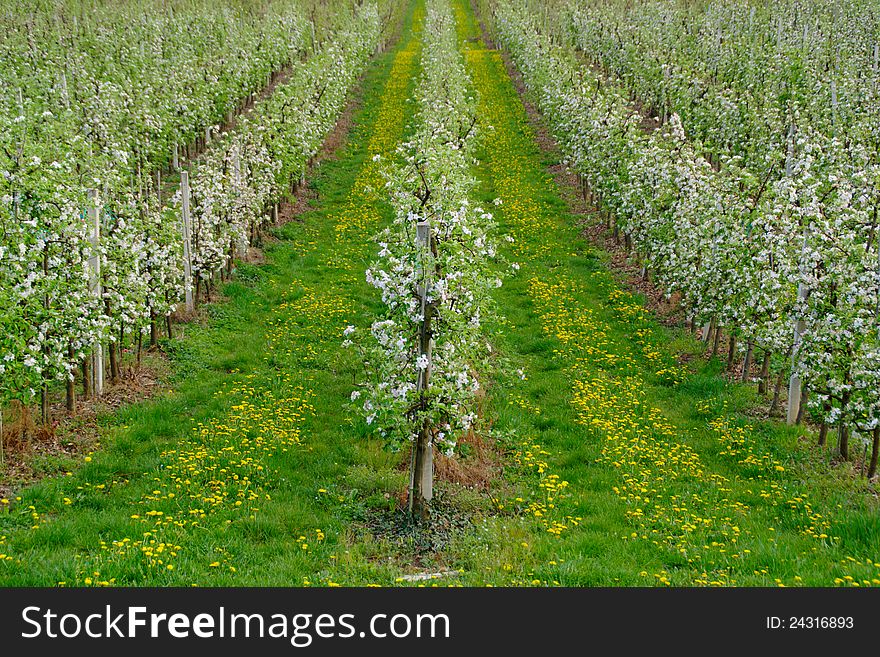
(253,470)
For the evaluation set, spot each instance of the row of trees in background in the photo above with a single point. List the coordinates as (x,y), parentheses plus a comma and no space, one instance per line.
(735,149)
(91,250)
(434,271)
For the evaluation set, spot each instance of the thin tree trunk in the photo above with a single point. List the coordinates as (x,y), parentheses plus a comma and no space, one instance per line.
(843,433)
(777,390)
(823,434)
(71,385)
(875,448)
(823,428)
(731,351)
(843,441)
(717,340)
(154,330)
(747,361)
(803,406)
(114,362)
(44,403)
(87,378)
(764,383)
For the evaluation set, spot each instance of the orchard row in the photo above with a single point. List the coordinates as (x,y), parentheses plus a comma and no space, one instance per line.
(769,235)
(435,271)
(90,251)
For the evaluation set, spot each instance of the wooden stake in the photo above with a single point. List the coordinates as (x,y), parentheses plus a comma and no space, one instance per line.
(422,474)
(242,245)
(97,364)
(794,382)
(187,254)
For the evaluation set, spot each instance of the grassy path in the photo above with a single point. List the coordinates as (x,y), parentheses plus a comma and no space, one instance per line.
(621,466)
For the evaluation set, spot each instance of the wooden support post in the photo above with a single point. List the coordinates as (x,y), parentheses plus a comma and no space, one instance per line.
(794,382)
(236,166)
(187,244)
(422,474)
(65,93)
(97,365)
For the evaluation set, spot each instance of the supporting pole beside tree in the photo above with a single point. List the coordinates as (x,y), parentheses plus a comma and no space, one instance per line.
(187,244)
(97,364)
(422,475)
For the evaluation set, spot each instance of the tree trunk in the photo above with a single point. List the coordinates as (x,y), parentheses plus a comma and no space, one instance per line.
(777,390)
(731,351)
(87,377)
(71,385)
(716,341)
(823,428)
(764,383)
(803,406)
(843,441)
(114,362)
(44,403)
(154,330)
(747,361)
(875,448)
